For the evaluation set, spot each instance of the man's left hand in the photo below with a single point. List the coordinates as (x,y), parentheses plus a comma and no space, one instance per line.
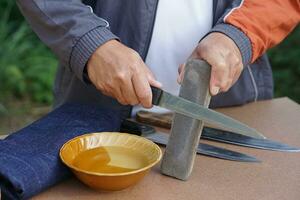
(224,57)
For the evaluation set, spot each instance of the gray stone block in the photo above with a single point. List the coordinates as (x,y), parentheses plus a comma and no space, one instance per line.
(179,156)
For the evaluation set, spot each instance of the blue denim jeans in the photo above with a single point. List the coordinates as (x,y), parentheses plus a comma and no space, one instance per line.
(29,158)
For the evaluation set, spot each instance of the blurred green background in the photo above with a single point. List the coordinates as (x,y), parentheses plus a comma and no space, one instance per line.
(27,70)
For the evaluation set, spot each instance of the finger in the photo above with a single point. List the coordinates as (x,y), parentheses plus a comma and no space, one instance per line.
(151,78)
(235,71)
(232,78)
(128,93)
(117,93)
(236,76)
(219,72)
(213,83)
(222,76)
(181,73)
(106,93)
(104,90)
(224,80)
(180,68)
(228,85)
(155,83)
(142,89)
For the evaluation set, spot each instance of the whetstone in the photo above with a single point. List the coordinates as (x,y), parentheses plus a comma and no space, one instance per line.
(179,156)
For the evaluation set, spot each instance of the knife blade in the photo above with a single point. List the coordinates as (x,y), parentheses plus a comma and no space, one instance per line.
(203,149)
(190,109)
(241,140)
(164,120)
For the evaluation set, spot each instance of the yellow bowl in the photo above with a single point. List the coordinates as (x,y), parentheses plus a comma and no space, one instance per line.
(110,160)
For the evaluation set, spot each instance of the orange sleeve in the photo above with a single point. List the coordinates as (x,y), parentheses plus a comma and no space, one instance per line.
(265,22)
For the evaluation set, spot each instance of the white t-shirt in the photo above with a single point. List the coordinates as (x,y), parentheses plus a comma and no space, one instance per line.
(178,27)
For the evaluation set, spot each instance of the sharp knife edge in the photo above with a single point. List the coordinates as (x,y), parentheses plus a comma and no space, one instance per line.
(235,139)
(242,140)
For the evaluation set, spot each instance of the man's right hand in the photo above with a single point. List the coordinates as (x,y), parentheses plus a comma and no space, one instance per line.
(119,72)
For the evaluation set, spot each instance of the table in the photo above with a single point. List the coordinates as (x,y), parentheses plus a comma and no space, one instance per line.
(276,178)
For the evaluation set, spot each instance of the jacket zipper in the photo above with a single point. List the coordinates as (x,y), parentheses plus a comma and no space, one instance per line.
(149,37)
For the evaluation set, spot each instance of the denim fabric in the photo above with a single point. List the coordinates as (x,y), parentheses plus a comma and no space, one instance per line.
(29,158)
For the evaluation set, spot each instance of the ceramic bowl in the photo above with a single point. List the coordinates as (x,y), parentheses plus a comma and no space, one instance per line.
(110,160)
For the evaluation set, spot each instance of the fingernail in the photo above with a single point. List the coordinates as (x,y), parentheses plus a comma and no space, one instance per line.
(215,90)
(155,83)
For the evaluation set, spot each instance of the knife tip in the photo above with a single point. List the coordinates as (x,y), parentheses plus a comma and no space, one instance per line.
(253,159)
(259,135)
(263,137)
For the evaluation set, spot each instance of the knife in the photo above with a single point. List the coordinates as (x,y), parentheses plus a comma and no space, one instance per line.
(204,149)
(165,120)
(241,140)
(193,110)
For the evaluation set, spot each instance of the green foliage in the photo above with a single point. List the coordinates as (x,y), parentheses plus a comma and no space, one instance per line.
(285,60)
(27,67)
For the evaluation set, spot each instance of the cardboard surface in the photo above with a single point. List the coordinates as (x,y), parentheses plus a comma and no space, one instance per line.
(277,177)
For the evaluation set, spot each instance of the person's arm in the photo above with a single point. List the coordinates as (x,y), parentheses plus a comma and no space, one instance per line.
(243,34)
(266,23)
(82,41)
(69,28)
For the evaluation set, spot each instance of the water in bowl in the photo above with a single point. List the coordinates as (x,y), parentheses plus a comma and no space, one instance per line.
(110,159)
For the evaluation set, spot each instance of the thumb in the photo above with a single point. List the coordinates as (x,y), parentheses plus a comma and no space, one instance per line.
(180,73)
(154,82)
(214,89)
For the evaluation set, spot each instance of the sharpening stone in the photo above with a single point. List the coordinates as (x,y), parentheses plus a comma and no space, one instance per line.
(179,156)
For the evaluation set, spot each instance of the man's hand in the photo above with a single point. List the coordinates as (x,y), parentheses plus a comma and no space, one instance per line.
(119,72)
(224,57)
